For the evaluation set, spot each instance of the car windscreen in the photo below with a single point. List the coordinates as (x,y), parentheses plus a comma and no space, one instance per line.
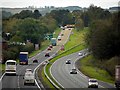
(93,80)
(28,74)
(10,63)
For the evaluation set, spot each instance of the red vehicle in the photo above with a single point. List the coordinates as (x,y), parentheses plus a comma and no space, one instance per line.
(62,47)
(49,48)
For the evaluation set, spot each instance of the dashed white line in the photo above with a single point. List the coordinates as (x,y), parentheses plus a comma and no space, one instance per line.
(18,82)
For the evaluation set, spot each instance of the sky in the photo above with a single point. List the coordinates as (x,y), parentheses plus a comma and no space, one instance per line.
(58,3)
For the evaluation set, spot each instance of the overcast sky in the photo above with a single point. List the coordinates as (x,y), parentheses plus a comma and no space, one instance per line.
(58,3)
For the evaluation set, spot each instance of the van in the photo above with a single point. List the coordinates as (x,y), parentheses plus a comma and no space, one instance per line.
(29,78)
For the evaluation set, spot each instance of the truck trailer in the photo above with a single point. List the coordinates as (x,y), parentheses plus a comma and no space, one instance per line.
(53,41)
(117,76)
(23,58)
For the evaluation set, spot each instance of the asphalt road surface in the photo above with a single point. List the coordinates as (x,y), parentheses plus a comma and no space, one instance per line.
(14,82)
(61,73)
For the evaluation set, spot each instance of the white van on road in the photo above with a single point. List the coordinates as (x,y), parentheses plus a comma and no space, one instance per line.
(10,67)
(29,78)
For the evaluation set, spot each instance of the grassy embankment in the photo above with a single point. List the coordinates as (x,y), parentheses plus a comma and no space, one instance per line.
(89,66)
(77,41)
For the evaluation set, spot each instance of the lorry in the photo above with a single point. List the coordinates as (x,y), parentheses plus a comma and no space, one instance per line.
(23,58)
(53,41)
(117,76)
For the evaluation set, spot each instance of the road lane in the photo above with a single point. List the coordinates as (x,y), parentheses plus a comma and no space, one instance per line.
(17,81)
(61,72)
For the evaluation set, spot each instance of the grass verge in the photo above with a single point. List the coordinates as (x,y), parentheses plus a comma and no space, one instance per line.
(88,67)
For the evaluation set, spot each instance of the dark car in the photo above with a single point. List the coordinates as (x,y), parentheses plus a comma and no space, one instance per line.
(35,61)
(47,55)
(62,34)
(68,62)
(49,48)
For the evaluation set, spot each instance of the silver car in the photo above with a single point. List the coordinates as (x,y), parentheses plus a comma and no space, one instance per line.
(73,71)
(29,78)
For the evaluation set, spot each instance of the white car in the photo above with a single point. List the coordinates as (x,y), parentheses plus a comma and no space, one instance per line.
(59,38)
(80,53)
(92,83)
(29,78)
(73,71)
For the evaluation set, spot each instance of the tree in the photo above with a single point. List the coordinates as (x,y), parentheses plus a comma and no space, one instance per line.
(31,29)
(23,14)
(29,47)
(94,13)
(79,23)
(36,14)
(49,22)
(6,15)
(62,17)
(104,38)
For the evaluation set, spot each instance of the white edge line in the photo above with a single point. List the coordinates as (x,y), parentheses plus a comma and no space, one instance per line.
(49,78)
(53,76)
(79,71)
(2,77)
(18,82)
(34,75)
(44,71)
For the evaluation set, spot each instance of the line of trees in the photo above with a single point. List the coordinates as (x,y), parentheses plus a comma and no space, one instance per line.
(103,37)
(25,29)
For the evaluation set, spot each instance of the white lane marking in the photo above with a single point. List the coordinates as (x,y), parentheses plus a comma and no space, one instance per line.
(2,77)
(55,78)
(37,84)
(18,82)
(101,86)
(81,74)
(34,75)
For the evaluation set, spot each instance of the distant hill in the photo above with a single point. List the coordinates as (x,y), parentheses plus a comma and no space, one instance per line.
(43,11)
(17,10)
(114,9)
(72,8)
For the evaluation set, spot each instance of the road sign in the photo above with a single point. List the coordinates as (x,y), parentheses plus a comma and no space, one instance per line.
(49,36)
